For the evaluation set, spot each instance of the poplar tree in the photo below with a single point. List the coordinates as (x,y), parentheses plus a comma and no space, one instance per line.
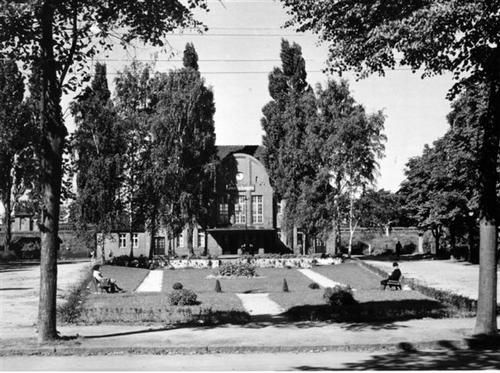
(14,141)
(98,155)
(285,121)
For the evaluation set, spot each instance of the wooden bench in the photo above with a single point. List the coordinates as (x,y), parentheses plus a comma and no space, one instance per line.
(394,284)
(100,287)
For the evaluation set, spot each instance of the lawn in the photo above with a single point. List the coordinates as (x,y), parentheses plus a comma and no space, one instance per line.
(301,302)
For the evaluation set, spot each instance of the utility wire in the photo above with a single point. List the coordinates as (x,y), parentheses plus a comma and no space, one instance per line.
(251,72)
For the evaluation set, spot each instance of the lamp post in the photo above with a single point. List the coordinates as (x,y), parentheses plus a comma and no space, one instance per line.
(246,223)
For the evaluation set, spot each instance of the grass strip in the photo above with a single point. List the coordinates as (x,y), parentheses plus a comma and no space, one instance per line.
(70,311)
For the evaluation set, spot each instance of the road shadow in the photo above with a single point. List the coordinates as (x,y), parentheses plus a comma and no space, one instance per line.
(482,354)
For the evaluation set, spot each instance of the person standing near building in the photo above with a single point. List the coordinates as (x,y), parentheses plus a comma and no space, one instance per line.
(398,249)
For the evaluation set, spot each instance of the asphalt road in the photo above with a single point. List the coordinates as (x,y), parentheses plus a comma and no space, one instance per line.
(218,362)
(400,360)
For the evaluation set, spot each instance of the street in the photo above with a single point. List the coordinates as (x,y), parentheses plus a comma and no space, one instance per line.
(338,360)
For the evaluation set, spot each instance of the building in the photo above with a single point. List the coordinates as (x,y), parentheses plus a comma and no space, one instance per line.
(25,241)
(244,215)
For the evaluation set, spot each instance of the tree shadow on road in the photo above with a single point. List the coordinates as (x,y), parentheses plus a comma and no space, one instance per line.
(481,354)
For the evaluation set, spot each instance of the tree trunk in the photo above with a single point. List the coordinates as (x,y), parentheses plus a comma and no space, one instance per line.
(53,134)
(486,319)
(205,249)
(152,249)
(437,235)
(334,239)
(470,240)
(351,218)
(7,221)
(103,246)
(453,240)
(189,241)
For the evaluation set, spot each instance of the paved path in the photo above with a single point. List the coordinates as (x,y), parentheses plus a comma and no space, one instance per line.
(320,279)
(458,277)
(19,293)
(152,283)
(260,304)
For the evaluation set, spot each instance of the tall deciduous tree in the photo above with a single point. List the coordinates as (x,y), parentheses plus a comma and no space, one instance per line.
(191,106)
(440,189)
(14,140)
(133,102)
(60,37)
(98,155)
(285,120)
(445,35)
(346,143)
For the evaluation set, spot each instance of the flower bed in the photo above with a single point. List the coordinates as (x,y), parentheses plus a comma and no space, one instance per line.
(271,262)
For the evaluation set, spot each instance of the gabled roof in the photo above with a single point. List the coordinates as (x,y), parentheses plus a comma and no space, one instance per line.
(256,151)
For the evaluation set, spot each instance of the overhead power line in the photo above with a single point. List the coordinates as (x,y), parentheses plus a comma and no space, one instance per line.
(200,60)
(250,72)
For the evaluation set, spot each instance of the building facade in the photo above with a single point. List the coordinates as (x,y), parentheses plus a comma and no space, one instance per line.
(244,215)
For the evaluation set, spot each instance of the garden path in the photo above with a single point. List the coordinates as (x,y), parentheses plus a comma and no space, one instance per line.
(321,280)
(260,304)
(152,283)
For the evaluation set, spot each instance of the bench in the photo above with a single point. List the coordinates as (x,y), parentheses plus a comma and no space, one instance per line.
(394,284)
(100,287)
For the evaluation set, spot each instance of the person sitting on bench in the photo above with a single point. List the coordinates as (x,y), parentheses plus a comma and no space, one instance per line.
(395,276)
(105,283)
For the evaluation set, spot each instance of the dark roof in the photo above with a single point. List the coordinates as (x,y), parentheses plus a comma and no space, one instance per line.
(256,151)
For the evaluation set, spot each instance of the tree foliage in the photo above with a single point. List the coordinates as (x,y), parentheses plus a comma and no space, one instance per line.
(440,190)
(98,155)
(58,38)
(461,37)
(314,138)
(15,135)
(285,120)
(184,132)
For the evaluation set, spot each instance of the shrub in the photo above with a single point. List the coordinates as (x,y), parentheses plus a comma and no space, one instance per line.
(182,297)
(314,285)
(122,260)
(177,286)
(218,288)
(285,286)
(339,296)
(236,270)
(143,261)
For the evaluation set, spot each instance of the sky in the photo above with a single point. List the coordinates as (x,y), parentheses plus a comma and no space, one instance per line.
(242,46)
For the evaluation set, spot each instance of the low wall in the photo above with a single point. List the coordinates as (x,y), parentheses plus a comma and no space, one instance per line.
(372,241)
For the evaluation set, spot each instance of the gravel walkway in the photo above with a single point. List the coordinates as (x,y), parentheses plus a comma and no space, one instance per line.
(19,293)
(260,304)
(461,278)
(321,280)
(152,283)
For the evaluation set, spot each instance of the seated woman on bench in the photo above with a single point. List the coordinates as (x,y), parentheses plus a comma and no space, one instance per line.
(395,276)
(105,283)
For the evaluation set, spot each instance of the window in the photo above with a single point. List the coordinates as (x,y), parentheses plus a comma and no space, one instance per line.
(180,240)
(240,210)
(159,248)
(223,212)
(201,239)
(122,240)
(257,210)
(135,240)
